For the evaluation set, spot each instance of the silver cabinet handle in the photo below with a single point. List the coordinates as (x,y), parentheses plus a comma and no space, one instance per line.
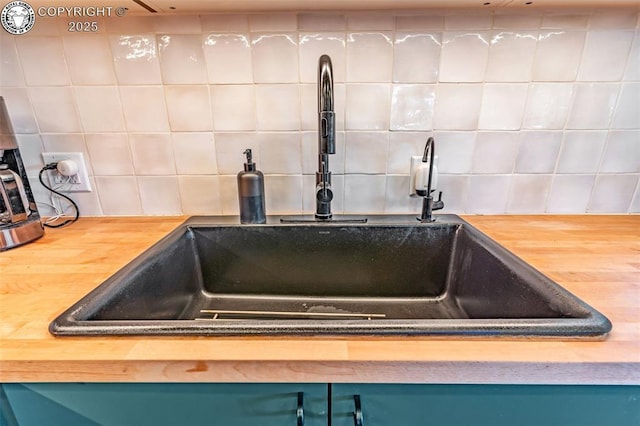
(300,410)
(358,418)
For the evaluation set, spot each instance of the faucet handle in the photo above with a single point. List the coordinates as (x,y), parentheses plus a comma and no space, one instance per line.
(438,205)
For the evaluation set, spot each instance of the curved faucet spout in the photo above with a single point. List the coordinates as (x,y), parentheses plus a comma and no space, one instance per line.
(326,137)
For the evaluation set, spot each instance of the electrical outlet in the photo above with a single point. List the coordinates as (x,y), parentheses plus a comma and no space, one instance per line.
(75,183)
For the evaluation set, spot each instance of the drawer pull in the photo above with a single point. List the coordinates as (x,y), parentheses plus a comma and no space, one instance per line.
(358,419)
(300,410)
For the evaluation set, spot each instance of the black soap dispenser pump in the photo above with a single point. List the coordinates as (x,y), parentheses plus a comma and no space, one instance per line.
(251,192)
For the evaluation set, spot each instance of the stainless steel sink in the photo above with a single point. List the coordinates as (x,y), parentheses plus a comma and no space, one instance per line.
(392,275)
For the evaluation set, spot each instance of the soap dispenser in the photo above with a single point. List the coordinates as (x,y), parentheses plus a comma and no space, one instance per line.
(251,192)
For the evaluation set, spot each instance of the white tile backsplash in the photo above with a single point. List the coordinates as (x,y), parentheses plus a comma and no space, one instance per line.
(464,56)
(416,57)
(532,111)
(362,48)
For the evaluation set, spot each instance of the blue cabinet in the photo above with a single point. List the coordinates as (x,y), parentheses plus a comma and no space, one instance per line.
(399,405)
(88,404)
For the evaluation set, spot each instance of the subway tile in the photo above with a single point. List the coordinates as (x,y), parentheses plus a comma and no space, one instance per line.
(273,22)
(152,154)
(88,202)
(229,23)
(228,58)
(547,106)
(562,20)
(368,107)
(366,152)
(159,195)
(283,194)
(195,153)
(312,46)
(200,195)
(570,194)
(612,18)
(455,151)
(495,152)
(593,105)
(605,55)
(581,151)
(632,73)
(10,71)
(19,108)
(100,108)
(613,193)
(364,193)
(135,58)
(124,24)
(145,109)
(464,56)
(412,106)
(538,152)
(558,55)
(511,56)
(419,22)
(182,59)
(280,153)
(34,53)
(67,142)
(503,106)
(402,146)
(510,21)
(322,22)
(189,108)
(229,149)
(370,22)
(488,194)
(455,192)
(55,109)
(109,154)
(228,190)
(364,47)
(457,106)
(234,107)
(416,57)
(635,203)
(528,193)
(31,149)
(118,195)
(177,24)
(627,113)
(622,154)
(275,57)
(89,59)
(278,106)
(472,21)
(397,199)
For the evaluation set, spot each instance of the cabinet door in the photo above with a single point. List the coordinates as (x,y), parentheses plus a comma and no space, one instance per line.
(87,404)
(413,405)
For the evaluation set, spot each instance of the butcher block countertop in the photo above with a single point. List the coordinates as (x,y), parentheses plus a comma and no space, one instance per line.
(595,257)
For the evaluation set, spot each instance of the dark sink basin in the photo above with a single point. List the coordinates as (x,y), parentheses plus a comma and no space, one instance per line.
(392,275)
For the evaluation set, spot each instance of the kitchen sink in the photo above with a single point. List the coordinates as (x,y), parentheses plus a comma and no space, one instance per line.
(390,276)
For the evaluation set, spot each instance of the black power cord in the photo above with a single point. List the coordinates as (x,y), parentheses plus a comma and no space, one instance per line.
(52,166)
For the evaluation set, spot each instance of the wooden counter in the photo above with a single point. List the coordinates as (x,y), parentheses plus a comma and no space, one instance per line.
(595,257)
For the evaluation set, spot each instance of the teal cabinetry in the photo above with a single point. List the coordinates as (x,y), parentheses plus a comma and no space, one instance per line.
(398,405)
(89,404)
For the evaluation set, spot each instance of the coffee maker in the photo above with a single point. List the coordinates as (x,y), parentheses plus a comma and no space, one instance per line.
(19,218)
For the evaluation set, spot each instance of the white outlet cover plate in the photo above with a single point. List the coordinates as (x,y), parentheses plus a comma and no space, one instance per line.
(83,185)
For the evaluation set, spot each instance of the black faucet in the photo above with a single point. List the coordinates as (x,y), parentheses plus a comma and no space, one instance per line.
(428,204)
(326,138)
